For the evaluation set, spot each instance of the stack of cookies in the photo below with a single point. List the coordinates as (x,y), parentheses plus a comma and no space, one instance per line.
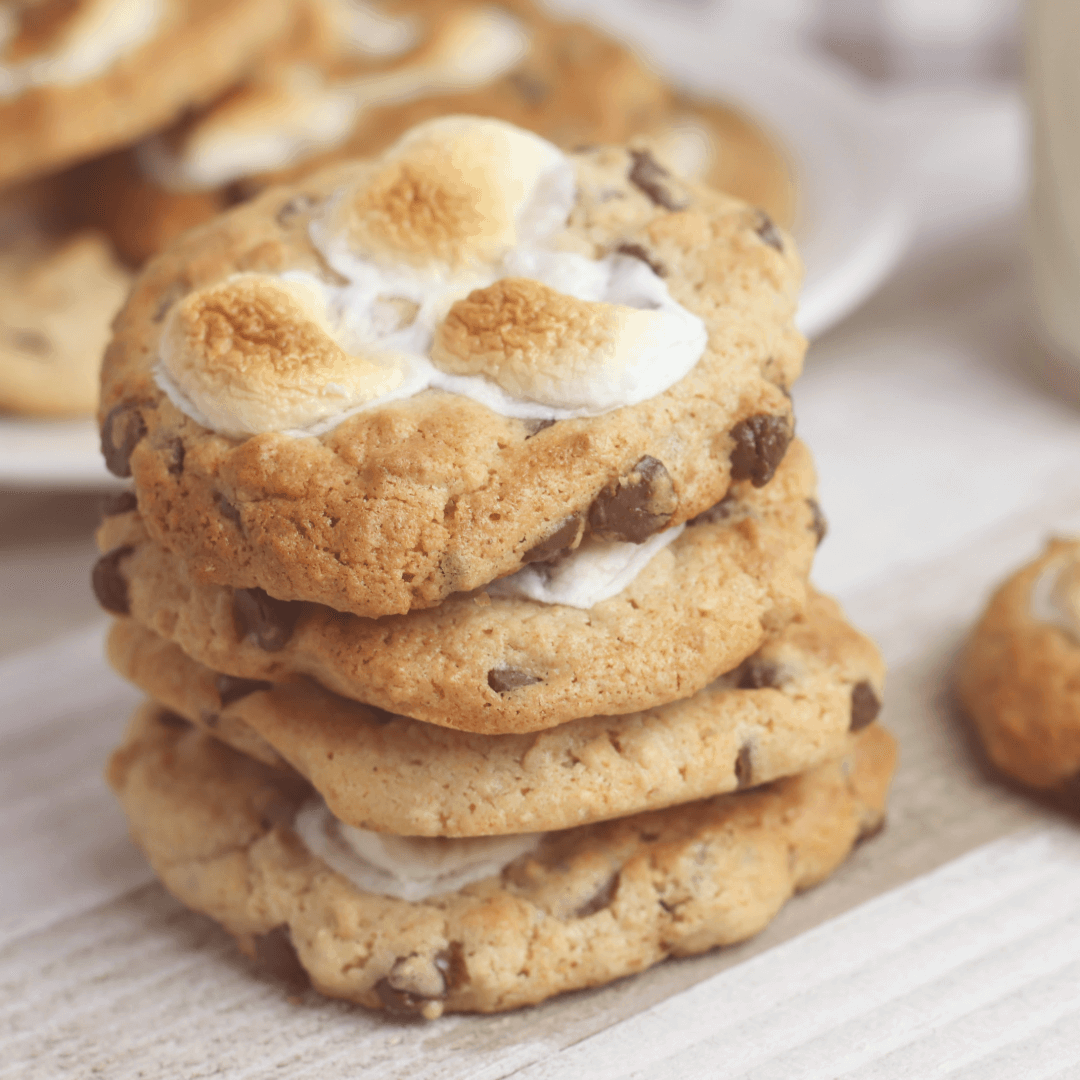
(466,571)
(124,122)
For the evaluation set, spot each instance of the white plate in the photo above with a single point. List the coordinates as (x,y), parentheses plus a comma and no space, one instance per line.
(852,226)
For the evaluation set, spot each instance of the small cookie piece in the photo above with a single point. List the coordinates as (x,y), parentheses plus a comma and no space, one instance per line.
(1019,676)
(78,77)
(786,709)
(588,906)
(58,294)
(504,660)
(450,480)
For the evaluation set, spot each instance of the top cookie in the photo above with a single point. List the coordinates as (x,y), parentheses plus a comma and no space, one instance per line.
(406,377)
(78,77)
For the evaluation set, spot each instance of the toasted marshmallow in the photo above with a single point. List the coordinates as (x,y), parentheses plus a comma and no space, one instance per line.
(36,50)
(587,576)
(293,112)
(453,196)
(549,347)
(255,353)
(408,867)
(1055,595)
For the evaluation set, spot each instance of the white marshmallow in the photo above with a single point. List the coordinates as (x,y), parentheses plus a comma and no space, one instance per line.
(1055,595)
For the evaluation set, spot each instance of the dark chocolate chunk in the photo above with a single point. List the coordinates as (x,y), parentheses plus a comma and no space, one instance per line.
(757,674)
(263,620)
(532,88)
(534,427)
(123,428)
(174,457)
(718,512)
(122,502)
(636,506)
(565,536)
(276,956)
(110,586)
(600,899)
(744,766)
(294,208)
(168,718)
(230,688)
(760,444)
(865,705)
(819,524)
(227,510)
(636,251)
(650,178)
(503,680)
(768,232)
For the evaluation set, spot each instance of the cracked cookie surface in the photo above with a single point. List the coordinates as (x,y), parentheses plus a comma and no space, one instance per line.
(592,904)
(793,704)
(495,663)
(399,506)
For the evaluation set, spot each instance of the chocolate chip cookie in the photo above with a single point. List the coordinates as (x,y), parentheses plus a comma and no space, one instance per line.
(79,77)
(787,708)
(499,660)
(1019,675)
(419,451)
(583,907)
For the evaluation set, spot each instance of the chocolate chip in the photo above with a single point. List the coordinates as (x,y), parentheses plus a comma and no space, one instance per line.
(565,536)
(532,88)
(636,506)
(123,428)
(230,688)
(636,251)
(168,718)
(865,705)
(600,899)
(768,232)
(235,193)
(33,342)
(760,444)
(294,208)
(757,674)
(744,766)
(720,511)
(649,176)
(503,680)
(276,956)
(110,586)
(174,457)
(412,984)
(818,523)
(227,510)
(122,502)
(534,427)
(263,620)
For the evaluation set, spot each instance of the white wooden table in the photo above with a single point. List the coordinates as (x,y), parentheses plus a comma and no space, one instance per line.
(950,946)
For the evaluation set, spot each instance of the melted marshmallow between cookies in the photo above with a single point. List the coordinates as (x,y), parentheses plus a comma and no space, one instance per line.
(94,39)
(453,283)
(407,867)
(1055,596)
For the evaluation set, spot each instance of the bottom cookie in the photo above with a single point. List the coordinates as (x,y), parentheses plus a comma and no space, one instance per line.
(584,907)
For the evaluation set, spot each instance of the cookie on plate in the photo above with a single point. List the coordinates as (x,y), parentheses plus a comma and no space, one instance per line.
(348,80)
(404,378)
(429,926)
(609,628)
(789,707)
(79,77)
(1019,675)
(59,290)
